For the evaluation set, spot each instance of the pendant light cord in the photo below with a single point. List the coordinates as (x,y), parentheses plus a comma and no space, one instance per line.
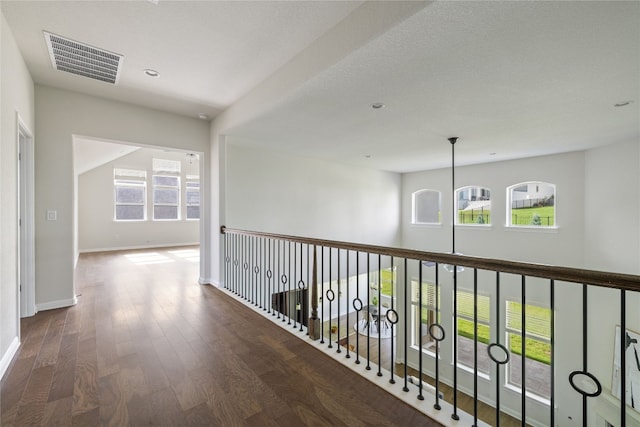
(453,195)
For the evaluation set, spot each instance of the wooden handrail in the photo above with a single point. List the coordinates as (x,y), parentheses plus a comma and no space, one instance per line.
(629,282)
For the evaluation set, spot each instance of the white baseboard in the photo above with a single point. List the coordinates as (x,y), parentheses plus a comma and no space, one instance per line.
(50,305)
(7,357)
(130,248)
(208,281)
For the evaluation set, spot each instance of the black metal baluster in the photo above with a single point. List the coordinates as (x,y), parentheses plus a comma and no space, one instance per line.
(263,275)
(234,263)
(552,361)
(226,261)
(247,269)
(497,335)
(585,348)
(438,338)
(475,347)
(310,283)
(392,318)
(420,396)
(368,368)
(270,277)
(226,257)
(504,355)
(252,265)
(585,373)
(623,358)
(245,277)
(523,329)
(322,295)
(243,260)
(406,327)
(284,280)
(379,311)
(347,307)
(330,299)
(338,309)
(301,288)
(245,265)
(256,270)
(357,305)
(455,343)
(339,295)
(279,279)
(290,284)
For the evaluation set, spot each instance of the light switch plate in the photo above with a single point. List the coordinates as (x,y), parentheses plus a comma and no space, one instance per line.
(52,215)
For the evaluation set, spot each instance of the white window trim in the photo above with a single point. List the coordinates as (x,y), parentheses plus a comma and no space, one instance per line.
(191,179)
(129,175)
(507,330)
(457,210)
(177,205)
(488,323)
(535,228)
(413,208)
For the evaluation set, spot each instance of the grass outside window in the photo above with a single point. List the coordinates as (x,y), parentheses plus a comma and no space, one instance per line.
(526,216)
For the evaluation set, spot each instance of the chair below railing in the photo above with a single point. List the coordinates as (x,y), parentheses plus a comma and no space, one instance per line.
(489,338)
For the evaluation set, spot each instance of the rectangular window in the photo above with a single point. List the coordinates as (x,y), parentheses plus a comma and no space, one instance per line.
(130,194)
(166,197)
(423,313)
(466,330)
(193,197)
(537,347)
(166,166)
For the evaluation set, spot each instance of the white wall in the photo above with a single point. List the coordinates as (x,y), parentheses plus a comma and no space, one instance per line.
(62,114)
(279,193)
(497,241)
(612,219)
(98,231)
(612,208)
(17,95)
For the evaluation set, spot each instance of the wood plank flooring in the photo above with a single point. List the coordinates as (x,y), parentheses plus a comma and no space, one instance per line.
(147,345)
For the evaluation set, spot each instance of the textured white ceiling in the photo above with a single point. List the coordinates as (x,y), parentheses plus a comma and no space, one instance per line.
(208,53)
(513,78)
(517,79)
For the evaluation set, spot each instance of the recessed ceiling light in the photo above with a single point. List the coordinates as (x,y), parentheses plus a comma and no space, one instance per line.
(203,116)
(367,156)
(622,104)
(492,154)
(151,73)
(377,105)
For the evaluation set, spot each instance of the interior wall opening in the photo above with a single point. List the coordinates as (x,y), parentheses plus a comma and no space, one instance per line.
(137,198)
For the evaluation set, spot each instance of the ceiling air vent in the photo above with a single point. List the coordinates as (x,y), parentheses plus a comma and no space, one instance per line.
(84,60)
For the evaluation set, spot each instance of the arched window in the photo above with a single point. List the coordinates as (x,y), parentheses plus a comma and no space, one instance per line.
(426,207)
(531,204)
(473,206)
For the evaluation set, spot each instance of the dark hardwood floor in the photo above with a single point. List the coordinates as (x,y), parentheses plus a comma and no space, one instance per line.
(147,345)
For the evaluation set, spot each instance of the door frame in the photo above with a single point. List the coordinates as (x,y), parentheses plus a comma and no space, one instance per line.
(26,219)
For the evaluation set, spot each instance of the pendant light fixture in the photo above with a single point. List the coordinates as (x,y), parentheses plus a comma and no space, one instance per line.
(450,267)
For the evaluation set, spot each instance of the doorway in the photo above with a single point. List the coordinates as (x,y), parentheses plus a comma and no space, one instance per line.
(134,196)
